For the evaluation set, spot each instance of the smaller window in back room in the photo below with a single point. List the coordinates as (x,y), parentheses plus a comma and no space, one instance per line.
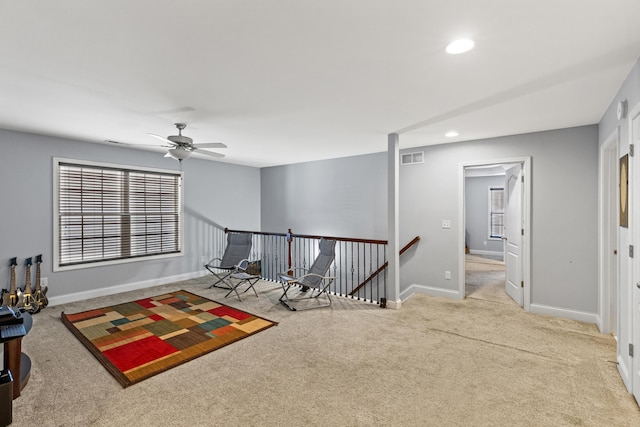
(496,212)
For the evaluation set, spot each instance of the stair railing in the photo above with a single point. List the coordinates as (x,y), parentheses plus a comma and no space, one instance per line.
(383,267)
(358,262)
(355,260)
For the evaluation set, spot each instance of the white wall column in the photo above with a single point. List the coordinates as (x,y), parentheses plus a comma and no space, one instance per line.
(393,229)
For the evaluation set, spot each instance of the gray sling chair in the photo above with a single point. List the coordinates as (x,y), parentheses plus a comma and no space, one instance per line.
(313,283)
(234,260)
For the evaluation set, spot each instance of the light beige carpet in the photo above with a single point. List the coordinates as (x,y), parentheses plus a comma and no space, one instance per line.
(484,279)
(435,362)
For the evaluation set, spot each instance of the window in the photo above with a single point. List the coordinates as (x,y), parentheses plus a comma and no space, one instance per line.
(106,214)
(496,212)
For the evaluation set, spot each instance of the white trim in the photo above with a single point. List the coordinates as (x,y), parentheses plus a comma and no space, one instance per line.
(56,267)
(581,316)
(429,290)
(610,144)
(393,217)
(125,287)
(488,253)
(394,305)
(117,166)
(526,219)
(634,263)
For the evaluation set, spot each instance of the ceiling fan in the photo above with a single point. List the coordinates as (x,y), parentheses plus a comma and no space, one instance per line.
(182,146)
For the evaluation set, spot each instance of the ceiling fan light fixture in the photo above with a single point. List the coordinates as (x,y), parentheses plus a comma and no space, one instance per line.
(179,153)
(182,146)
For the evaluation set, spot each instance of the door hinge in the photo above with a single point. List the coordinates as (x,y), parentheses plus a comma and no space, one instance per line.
(631,150)
(522,178)
(631,350)
(630,251)
(522,231)
(522,284)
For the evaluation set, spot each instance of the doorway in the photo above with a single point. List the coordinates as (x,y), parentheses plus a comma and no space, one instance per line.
(485,278)
(494,209)
(609,281)
(485,270)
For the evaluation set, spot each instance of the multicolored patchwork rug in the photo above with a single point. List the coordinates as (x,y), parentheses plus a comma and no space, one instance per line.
(139,339)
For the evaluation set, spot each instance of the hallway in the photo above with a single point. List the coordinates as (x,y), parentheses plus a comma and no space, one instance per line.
(484,279)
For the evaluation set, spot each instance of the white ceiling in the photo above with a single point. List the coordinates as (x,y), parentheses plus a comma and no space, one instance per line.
(285,81)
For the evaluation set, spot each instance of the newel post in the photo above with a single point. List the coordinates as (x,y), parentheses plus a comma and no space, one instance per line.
(289,241)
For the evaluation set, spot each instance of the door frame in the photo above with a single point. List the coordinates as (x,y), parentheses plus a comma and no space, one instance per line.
(609,279)
(526,222)
(634,262)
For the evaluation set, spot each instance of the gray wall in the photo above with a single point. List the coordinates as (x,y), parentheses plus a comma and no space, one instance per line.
(564,213)
(26,216)
(477,213)
(347,197)
(344,197)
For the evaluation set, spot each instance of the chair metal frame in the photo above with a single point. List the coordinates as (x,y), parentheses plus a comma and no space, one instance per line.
(242,277)
(232,261)
(314,282)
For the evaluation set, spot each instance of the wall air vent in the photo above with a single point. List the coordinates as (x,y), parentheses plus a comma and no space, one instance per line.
(412,158)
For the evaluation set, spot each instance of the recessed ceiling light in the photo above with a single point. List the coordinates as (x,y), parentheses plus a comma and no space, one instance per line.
(451,134)
(460,46)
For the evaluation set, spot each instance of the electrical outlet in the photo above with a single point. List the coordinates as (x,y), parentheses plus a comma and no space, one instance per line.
(44,281)
(447,275)
(446,223)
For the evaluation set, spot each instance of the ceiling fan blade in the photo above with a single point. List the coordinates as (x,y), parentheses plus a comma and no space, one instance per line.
(162,138)
(210,145)
(210,154)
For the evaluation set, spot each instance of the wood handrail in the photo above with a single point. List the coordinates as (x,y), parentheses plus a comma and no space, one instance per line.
(383,266)
(309,236)
(226,230)
(408,245)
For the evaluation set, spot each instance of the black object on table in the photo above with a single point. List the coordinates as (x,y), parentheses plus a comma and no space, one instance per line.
(18,363)
(6,398)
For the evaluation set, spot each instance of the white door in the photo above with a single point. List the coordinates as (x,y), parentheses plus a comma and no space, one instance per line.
(513,233)
(634,228)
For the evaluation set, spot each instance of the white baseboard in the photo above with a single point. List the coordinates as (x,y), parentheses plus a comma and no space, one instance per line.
(563,312)
(125,287)
(429,290)
(394,305)
(487,253)
(600,325)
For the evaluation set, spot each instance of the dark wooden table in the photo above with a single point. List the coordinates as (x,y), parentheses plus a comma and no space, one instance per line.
(17,362)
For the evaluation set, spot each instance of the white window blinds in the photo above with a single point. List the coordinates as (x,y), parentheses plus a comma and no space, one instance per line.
(496,212)
(115,213)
